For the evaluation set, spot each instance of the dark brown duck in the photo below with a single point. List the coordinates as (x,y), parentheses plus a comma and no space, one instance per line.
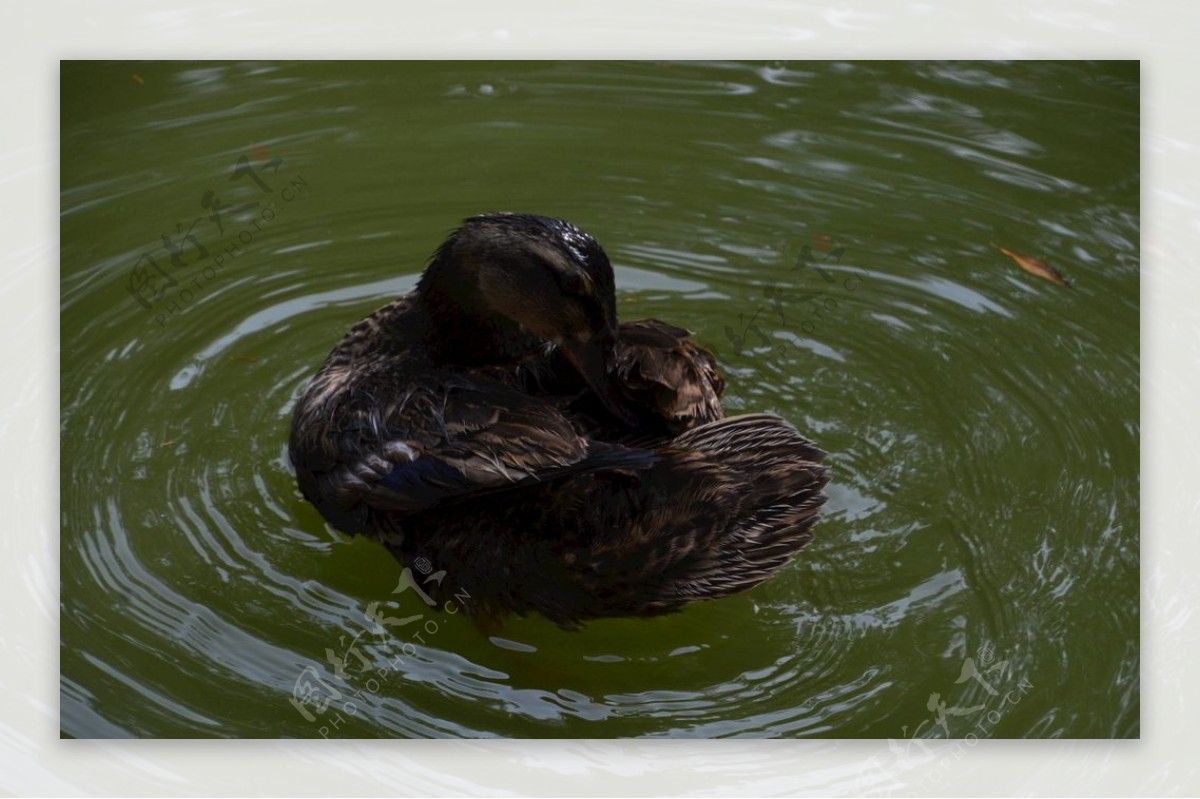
(498,422)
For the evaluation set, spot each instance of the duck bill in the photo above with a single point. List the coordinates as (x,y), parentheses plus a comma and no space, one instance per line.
(591,359)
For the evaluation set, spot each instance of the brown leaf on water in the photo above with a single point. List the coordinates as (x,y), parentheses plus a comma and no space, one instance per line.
(244,358)
(1034,267)
(136,78)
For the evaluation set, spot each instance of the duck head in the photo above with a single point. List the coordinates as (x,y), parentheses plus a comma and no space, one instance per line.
(503,285)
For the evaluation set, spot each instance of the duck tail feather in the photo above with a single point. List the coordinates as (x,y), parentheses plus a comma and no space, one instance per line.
(602,457)
(758,433)
(784,480)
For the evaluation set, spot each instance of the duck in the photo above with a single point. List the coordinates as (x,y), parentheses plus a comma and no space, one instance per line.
(498,425)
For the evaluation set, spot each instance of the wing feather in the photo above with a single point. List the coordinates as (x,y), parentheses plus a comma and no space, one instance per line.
(457,438)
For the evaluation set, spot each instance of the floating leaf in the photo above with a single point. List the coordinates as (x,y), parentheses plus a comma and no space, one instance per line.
(1034,267)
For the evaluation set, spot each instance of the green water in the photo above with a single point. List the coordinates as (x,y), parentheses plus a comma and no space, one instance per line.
(982,423)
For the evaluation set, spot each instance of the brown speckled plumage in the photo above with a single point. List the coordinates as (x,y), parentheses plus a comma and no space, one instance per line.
(498,422)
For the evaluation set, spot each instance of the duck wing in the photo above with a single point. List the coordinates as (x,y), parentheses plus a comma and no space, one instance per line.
(668,382)
(451,437)
(727,505)
(661,370)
